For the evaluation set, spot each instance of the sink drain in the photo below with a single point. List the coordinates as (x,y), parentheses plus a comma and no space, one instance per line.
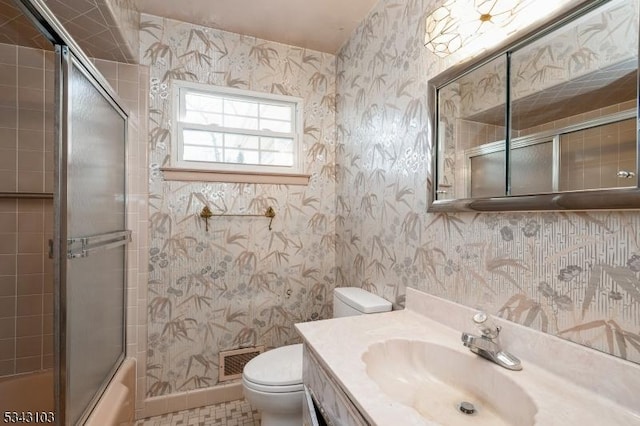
(466,408)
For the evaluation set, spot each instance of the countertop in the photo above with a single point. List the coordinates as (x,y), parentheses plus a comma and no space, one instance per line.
(340,343)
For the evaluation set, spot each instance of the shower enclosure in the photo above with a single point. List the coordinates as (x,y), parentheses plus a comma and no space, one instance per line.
(63,228)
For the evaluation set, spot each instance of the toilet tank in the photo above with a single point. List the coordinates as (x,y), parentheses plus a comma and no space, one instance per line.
(350,301)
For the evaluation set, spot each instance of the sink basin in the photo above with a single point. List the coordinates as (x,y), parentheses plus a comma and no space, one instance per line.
(434,380)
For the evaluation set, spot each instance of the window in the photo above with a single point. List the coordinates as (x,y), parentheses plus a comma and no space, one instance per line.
(230,130)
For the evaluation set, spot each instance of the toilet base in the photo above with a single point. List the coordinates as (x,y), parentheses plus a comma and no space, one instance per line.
(277,408)
(280,419)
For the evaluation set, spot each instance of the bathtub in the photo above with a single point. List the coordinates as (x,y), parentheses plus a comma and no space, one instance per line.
(115,408)
(117,405)
(39,387)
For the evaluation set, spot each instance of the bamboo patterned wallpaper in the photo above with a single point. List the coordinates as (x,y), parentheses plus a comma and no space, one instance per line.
(362,219)
(575,275)
(239,284)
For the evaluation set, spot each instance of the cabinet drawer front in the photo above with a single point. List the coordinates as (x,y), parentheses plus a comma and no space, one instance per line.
(309,417)
(334,405)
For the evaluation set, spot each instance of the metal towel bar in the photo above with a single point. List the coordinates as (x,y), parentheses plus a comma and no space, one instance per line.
(206,214)
(83,246)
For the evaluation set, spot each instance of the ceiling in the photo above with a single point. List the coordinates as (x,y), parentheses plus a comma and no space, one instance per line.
(15,28)
(322,25)
(89,22)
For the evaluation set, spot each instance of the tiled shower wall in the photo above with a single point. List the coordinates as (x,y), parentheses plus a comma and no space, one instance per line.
(26,225)
(595,155)
(26,164)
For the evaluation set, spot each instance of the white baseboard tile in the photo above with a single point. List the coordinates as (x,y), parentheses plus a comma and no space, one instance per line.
(160,405)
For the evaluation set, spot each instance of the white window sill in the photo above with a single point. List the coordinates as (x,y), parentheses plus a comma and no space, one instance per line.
(195,175)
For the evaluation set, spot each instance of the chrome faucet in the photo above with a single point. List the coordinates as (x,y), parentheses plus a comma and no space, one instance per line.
(487,345)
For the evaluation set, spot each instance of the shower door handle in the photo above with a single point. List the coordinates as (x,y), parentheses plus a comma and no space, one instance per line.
(84,246)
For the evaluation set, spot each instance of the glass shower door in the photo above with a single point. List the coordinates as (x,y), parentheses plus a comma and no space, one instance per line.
(93,278)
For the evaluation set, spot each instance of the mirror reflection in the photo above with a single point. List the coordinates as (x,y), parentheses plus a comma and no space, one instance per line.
(576,88)
(472,132)
(572,111)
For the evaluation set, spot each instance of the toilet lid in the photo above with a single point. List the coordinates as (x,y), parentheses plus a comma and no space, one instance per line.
(277,367)
(361,300)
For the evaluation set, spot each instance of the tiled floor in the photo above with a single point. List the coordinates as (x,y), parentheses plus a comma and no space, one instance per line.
(234,413)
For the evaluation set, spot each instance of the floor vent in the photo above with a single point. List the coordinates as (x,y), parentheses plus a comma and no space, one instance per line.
(232,362)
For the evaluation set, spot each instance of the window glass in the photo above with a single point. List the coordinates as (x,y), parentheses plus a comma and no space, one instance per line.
(222,128)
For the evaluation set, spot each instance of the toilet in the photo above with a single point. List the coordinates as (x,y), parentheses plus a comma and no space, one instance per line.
(272,381)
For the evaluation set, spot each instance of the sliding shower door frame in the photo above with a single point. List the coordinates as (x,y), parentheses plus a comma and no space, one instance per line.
(69,60)
(68,54)
(60,230)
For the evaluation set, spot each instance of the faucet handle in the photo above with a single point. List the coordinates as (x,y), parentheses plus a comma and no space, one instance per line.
(480,317)
(486,325)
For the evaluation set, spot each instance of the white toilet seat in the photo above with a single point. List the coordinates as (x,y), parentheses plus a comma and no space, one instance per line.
(276,371)
(298,387)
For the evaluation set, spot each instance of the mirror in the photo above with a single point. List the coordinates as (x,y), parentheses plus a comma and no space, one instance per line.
(547,123)
(471,150)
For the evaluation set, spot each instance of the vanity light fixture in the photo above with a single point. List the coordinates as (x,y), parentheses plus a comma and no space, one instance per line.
(471,26)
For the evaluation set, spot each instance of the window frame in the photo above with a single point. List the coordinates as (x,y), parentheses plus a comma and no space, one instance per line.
(180,88)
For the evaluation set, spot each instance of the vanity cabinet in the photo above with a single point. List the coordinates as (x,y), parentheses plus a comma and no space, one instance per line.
(324,395)
(310,414)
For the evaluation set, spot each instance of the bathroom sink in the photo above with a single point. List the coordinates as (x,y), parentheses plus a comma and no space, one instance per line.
(436,380)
